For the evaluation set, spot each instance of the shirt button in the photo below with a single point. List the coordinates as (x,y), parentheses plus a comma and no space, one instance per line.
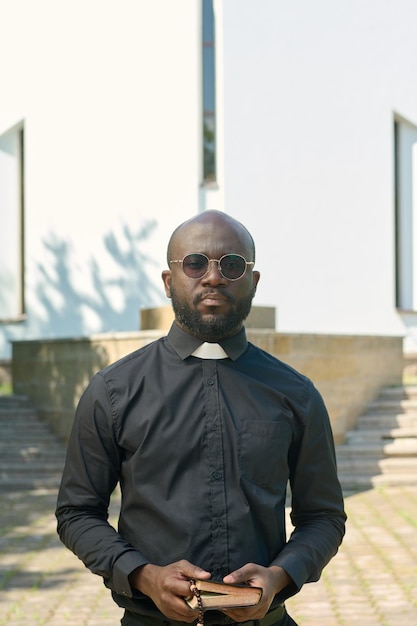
(214,427)
(210,381)
(215,475)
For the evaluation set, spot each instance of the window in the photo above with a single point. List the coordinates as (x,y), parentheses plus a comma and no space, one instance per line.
(11,223)
(209,94)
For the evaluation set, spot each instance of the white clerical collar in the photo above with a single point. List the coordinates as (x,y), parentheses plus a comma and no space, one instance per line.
(210,351)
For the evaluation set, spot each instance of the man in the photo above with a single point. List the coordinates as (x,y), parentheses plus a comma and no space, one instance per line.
(203,431)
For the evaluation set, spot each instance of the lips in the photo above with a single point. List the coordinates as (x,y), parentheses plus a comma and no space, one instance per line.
(213,299)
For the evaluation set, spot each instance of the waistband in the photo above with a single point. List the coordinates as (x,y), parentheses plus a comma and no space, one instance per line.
(211,618)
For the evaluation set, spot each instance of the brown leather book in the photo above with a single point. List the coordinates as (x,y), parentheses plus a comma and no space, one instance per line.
(216,595)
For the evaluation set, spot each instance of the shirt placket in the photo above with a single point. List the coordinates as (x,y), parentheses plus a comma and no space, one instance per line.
(216,462)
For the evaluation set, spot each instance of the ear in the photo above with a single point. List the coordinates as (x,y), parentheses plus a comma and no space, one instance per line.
(166,278)
(255,277)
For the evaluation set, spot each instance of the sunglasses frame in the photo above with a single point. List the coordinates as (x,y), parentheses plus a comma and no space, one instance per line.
(218,261)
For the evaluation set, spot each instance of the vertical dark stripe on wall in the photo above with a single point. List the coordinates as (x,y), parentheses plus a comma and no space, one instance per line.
(209,93)
(22,218)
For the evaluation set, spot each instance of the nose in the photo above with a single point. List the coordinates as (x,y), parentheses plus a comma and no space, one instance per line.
(213,275)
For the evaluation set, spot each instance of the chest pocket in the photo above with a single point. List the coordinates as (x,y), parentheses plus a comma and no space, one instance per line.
(263,452)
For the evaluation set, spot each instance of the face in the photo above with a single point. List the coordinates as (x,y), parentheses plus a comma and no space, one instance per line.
(211,307)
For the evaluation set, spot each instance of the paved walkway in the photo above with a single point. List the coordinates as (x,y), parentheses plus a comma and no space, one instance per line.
(373,579)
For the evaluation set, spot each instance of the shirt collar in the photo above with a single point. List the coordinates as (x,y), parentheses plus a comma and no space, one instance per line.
(184,344)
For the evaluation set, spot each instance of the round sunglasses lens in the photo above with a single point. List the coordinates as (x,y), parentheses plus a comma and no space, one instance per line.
(195,265)
(232,266)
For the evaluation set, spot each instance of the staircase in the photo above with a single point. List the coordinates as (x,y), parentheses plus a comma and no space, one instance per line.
(382,450)
(31,457)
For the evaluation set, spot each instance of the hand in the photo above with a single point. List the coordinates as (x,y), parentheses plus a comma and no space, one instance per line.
(270,579)
(167,586)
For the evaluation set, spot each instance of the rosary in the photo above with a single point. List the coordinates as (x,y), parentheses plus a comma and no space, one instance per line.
(194,589)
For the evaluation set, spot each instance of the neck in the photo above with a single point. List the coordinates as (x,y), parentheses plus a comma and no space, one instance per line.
(211,336)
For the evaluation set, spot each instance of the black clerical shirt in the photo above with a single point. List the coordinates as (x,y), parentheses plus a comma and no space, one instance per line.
(203,450)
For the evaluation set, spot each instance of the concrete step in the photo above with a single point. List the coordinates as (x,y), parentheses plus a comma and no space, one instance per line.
(14,406)
(7,412)
(26,454)
(21,437)
(22,423)
(354,483)
(371,421)
(402,391)
(31,466)
(406,446)
(29,483)
(393,405)
(31,456)
(372,466)
(383,447)
(363,435)
(14,400)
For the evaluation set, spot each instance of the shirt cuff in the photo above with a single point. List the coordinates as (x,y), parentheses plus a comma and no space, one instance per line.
(123,567)
(295,571)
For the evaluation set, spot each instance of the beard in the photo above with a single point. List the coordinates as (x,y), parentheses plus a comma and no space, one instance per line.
(215,326)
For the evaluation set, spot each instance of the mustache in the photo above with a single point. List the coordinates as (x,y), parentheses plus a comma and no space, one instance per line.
(223,295)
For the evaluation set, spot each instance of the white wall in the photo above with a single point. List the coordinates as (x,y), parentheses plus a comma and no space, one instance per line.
(110,98)
(108,94)
(309,94)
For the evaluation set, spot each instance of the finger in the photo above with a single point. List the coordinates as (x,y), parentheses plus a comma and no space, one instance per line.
(189,570)
(175,608)
(241,575)
(183,612)
(200,573)
(241,615)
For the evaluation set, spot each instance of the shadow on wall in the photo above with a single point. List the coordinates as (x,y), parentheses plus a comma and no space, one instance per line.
(112,302)
(54,370)
(6,293)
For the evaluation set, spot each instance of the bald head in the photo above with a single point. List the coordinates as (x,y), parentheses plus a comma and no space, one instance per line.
(208,223)
(209,304)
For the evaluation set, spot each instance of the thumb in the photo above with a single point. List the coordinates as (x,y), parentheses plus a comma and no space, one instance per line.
(198,572)
(239,576)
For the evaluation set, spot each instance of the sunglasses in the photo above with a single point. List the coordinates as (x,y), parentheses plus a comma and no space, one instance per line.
(231,266)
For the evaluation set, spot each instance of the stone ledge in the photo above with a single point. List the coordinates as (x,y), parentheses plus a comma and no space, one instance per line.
(349,371)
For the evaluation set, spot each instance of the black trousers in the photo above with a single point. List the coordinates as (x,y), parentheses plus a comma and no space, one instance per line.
(133,619)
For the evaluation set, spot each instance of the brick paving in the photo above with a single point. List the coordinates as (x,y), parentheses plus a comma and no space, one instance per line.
(373,579)
(41,582)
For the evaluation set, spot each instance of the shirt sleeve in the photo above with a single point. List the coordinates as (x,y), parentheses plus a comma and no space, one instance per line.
(89,478)
(317,512)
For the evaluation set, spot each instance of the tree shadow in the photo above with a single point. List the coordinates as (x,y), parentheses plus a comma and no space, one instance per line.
(53,370)
(113,302)
(6,291)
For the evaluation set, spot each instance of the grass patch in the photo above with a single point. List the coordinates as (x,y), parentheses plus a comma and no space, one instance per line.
(6,389)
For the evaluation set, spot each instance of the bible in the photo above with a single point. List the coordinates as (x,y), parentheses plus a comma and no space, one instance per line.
(215,595)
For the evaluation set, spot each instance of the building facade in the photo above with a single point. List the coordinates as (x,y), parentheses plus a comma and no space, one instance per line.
(119,120)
